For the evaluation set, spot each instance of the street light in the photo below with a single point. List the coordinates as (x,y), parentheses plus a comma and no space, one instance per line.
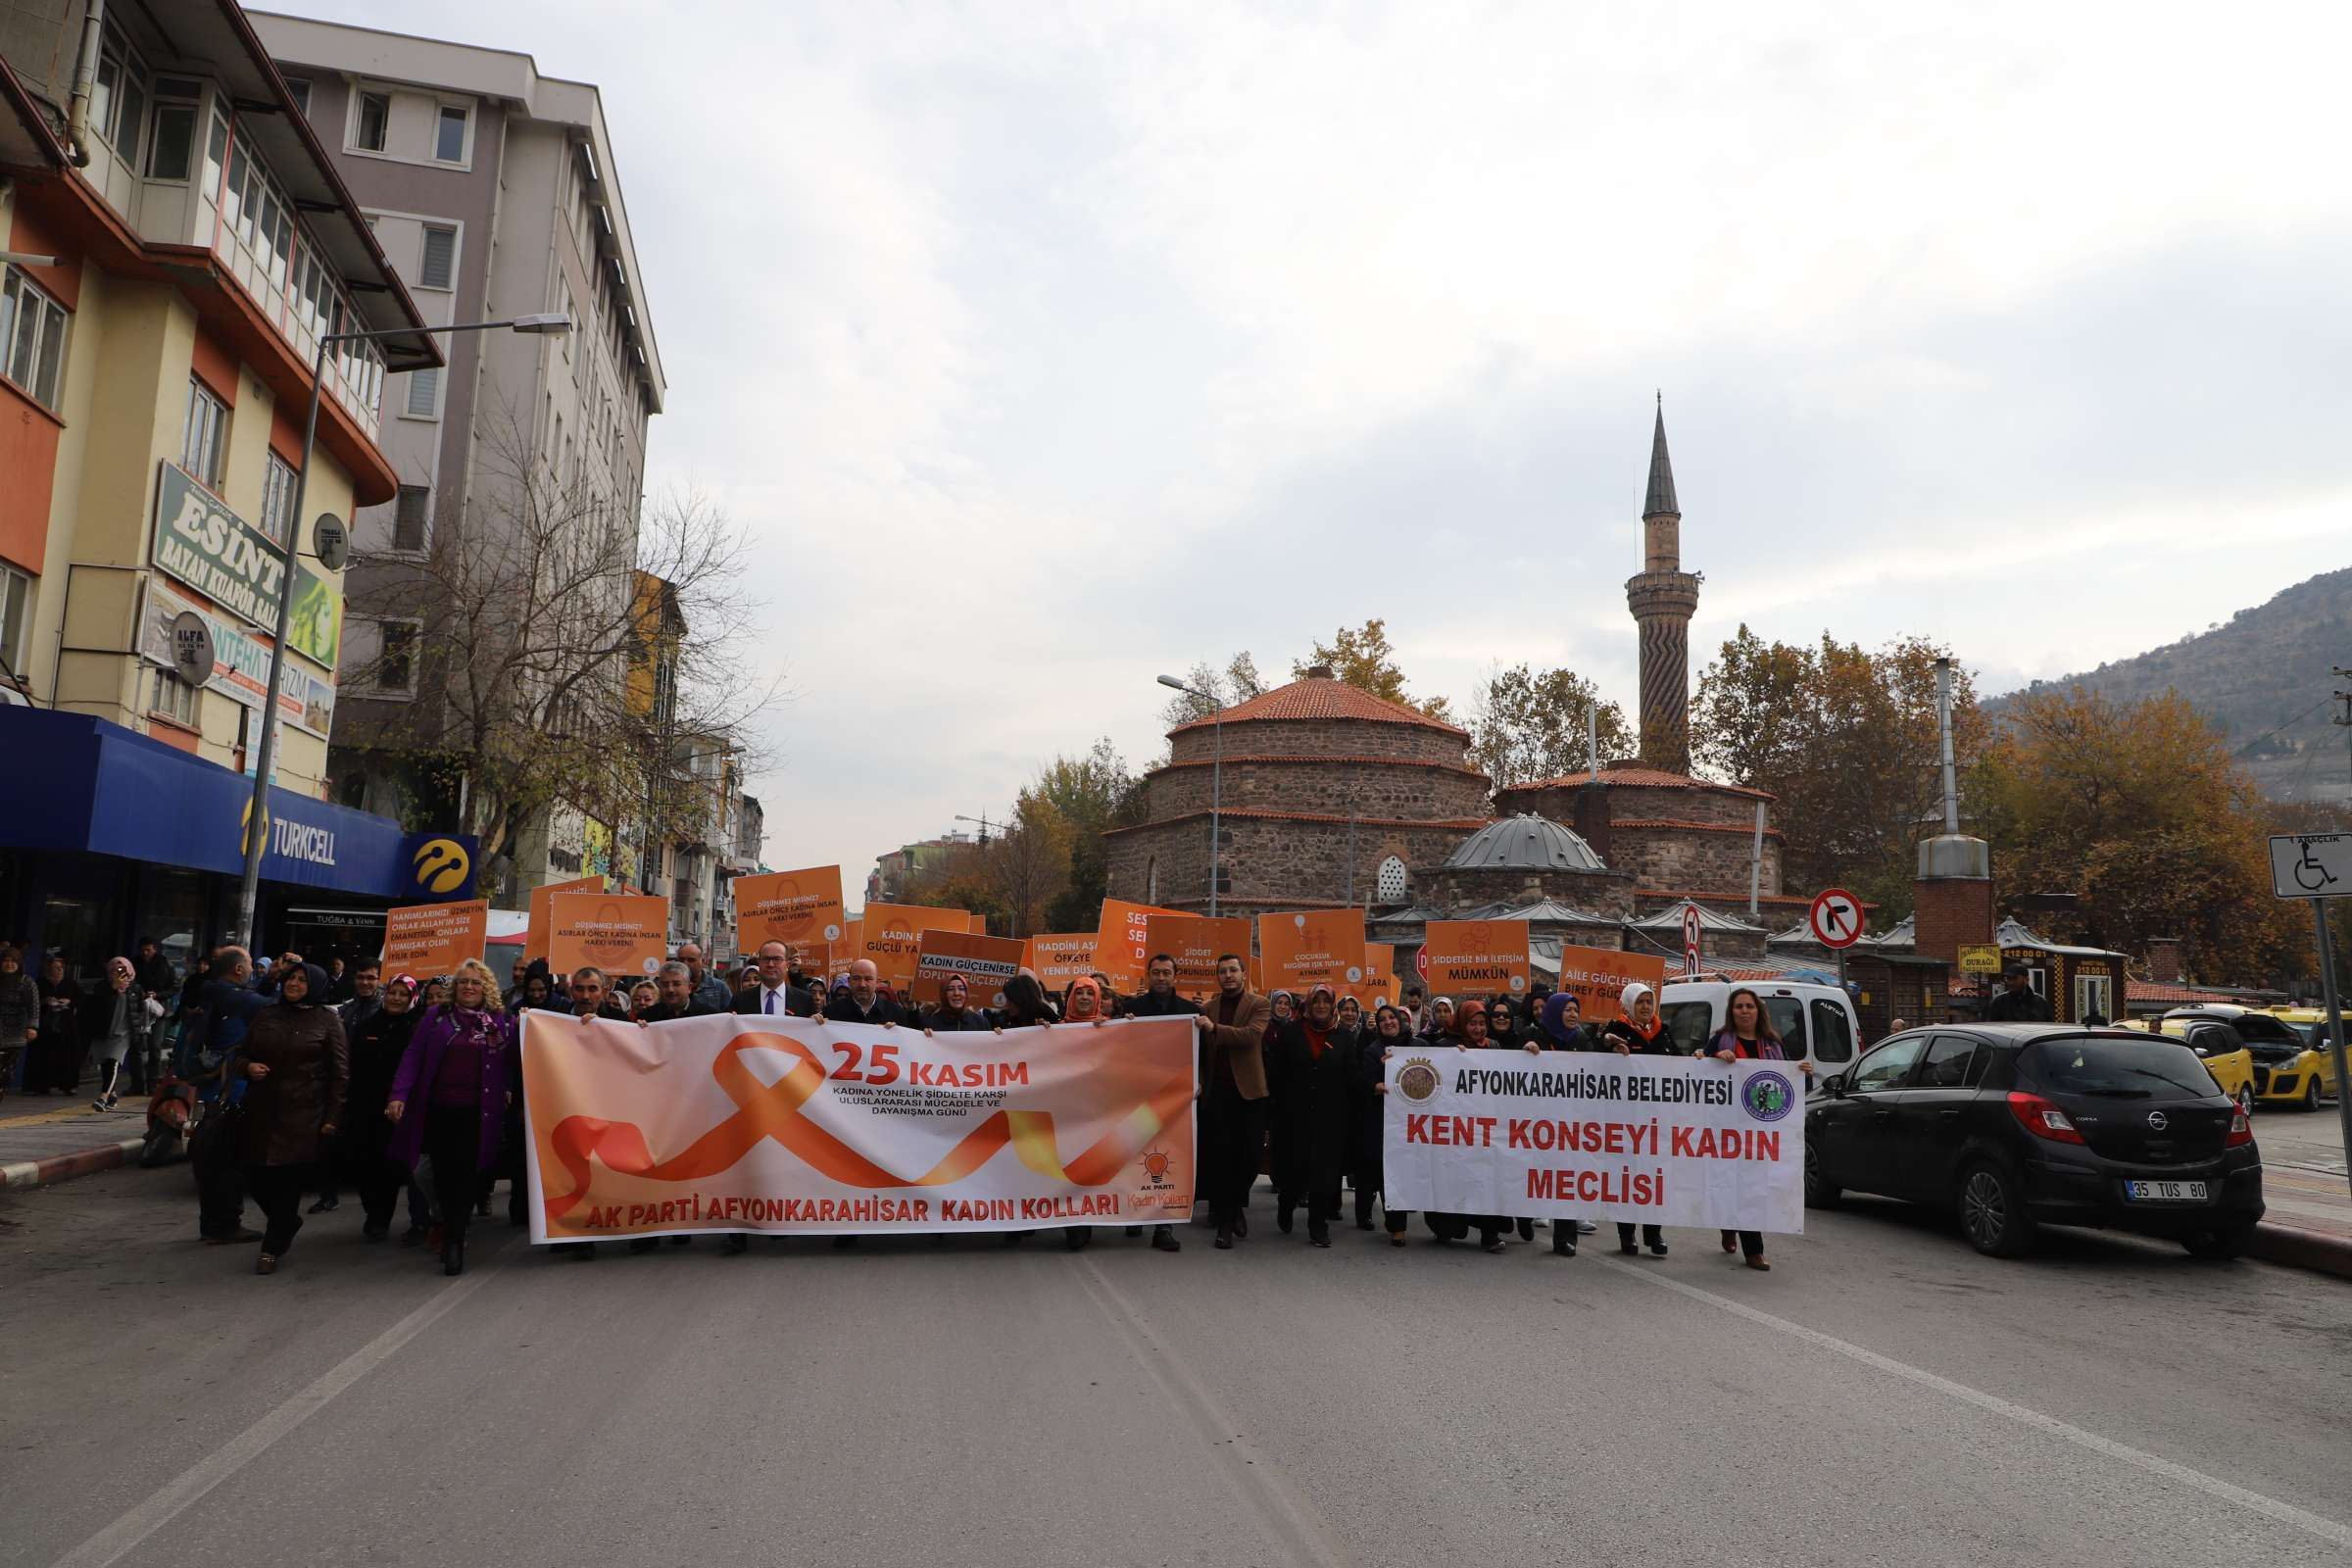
(256,812)
(1216,778)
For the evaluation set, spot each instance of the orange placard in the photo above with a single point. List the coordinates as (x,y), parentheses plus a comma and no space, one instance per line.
(1598,976)
(800,908)
(1312,948)
(1475,958)
(1196,942)
(986,962)
(842,953)
(434,939)
(1058,958)
(893,931)
(1122,942)
(535,935)
(624,934)
(1379,980)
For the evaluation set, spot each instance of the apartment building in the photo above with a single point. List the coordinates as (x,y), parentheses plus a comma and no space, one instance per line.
(494,191)
(181,243)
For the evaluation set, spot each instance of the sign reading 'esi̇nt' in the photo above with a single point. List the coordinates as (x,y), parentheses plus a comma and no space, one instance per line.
(202,542)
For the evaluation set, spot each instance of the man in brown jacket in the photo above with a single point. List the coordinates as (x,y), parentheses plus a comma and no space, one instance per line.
(1233,1098)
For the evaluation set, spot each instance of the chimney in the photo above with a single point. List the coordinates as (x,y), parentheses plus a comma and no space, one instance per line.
(1320,672)
(1952,905)
(2164,960)
(1592,822)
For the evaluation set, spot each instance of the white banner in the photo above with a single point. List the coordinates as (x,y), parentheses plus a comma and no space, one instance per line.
(1661,1140)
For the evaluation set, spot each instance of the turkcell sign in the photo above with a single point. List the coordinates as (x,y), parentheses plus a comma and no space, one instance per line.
(299,840)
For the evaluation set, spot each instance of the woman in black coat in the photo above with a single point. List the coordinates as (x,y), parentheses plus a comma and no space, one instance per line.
(954,1012)
(1391,1031)
(1310,1078)
(58,1053)
(364,1146)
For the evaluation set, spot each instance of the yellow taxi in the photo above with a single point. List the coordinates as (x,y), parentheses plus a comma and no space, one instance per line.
(2283,1068)
(2218,1045)
(2315,1068)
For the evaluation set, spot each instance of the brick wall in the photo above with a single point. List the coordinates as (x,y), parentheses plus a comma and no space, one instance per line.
(1266,864)
(1636,802)
(1951,912)
(2164,960)
(1319,737)
(1368,789)
(1694,860)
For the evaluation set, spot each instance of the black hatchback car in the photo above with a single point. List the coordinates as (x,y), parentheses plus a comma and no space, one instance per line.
(2019,1125)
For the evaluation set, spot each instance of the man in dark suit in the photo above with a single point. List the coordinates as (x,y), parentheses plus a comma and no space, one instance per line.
(864,1002)
(674,980)
(1233,1097)
(775,995)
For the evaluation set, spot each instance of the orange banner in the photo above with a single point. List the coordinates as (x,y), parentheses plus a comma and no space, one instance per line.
(624,934)
(800,908)
(1196,942)
(840,956)
(1378,984)
(1475,958)
(979,1132)
(535,935)
(1311,947)
(432,939)
(1122,942)
(893,931)
(1058,958)
(1598,977)
(985,962)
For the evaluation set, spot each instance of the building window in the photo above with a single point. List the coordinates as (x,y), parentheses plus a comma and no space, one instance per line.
(391,670)
(119,98)
(278,499)
(32,338)
(204,445)
(299,90)
(374,117)
(16,608)
(175,144)
(171,698)
(424,394)
(1391,880)
(439,266)
(449,135)
(410,514)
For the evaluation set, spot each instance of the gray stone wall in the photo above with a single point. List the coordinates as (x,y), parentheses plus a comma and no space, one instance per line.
(1318,737)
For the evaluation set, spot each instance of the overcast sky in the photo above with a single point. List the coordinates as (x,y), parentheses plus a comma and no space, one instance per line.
(1045,350)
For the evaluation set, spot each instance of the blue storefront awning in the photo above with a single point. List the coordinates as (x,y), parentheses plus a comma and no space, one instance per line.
(76,784)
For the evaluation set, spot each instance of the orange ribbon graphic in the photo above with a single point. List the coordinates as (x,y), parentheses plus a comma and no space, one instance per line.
(765,1111)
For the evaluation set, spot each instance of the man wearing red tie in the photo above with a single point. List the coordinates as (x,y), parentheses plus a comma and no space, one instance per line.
(775,995)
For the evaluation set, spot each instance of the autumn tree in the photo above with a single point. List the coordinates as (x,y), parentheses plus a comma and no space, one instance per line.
(2139,810)
(1091,793)
(1526,725)
(1237,682)
(1848,739)
(1028,865)
(1361,657)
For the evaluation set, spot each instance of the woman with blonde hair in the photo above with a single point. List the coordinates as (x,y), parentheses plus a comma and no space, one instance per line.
(462,1060)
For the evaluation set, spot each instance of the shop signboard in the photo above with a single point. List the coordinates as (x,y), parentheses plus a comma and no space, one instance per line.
(200,542)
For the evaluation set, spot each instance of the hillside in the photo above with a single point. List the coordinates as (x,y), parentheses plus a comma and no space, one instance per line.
(2262,677)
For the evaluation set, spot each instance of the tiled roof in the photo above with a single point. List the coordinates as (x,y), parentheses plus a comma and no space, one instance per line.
(1650,778)
(1317,698)
(1671,919)
(1801,900)
(2156,990)
(1301,756)
(1742,828)
(1460,823)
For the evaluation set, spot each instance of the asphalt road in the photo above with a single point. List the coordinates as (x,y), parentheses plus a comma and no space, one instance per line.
(1883,1396)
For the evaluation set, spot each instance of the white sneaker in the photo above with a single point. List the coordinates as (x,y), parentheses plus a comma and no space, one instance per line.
(1586,1227)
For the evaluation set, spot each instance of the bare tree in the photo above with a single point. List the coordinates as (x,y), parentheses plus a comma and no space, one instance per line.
(569,653)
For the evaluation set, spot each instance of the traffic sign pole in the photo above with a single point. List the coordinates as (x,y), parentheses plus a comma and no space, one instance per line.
(2335,1024)
(2318,866)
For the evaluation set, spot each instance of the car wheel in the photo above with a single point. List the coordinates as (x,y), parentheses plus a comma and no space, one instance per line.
(2311,1095)
(1992,1213)
(1819,1193)
(2218,1245)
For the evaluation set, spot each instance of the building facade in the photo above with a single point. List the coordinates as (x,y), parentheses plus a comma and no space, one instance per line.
(494,191)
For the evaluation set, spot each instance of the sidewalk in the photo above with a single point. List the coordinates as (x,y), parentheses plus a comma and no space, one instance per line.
(46,1139)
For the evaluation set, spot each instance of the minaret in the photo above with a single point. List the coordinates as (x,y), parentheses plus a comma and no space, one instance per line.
(1663,599)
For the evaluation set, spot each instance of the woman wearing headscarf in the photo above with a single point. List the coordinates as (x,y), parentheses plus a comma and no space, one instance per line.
(1560,1026)
(1639,1032)
(1025,1003)
(299,1071)
(1310,1065)
(954,1013)
(1470,1034)
(60,1051)
(1390,1033)
(1747,1035)
(20,1013)
(461,1063)
(116,1015)
(1084,1004)
(1437,1022)
(377,1047)
(1502,1025)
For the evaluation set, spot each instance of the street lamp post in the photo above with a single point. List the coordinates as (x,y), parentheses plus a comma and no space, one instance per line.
(265,756)
(1216,779)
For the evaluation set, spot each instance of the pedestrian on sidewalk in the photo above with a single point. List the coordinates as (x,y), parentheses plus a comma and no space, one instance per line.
(459,1073)
(20,1013)
(225,1007)
(113,1019)
(158,985)
(61,1047)
(299,1067)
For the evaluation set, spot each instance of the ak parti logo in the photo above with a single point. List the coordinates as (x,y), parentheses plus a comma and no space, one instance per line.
(1157,1163)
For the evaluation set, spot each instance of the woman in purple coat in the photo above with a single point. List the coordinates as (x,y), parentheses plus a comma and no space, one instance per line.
(463,1065)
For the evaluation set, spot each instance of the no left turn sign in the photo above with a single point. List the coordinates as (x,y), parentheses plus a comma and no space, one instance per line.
(1835,918)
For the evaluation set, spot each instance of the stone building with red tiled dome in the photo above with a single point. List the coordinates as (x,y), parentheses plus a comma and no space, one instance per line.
(1324,794)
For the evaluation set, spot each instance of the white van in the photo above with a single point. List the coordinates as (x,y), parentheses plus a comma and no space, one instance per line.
(1816,1022)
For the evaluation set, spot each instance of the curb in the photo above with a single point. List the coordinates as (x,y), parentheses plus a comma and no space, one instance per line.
(27,1173)
(2300,1248)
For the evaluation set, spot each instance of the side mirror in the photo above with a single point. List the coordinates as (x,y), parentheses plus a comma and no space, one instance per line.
(1834,1085)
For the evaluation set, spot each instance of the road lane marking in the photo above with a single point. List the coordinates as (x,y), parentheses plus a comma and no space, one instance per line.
(1287,1515)
(117,1539)
(2213,1486)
